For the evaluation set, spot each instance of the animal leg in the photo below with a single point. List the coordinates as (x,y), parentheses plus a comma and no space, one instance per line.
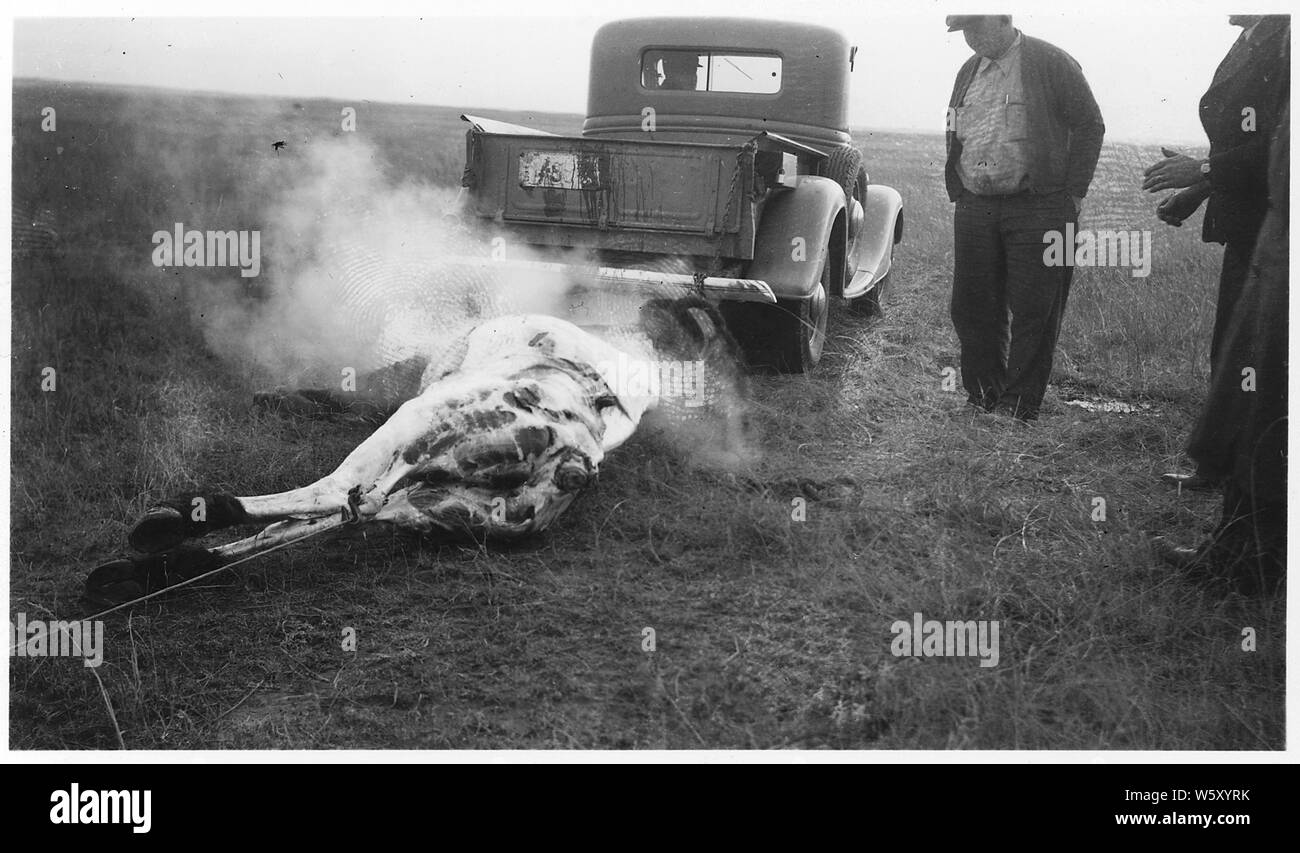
(378,394)
(358,486)
(122,580)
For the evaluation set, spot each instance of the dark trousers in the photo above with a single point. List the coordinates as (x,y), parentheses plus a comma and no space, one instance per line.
(1248,548)
(1232,278)
(1212,439)
(1007,303)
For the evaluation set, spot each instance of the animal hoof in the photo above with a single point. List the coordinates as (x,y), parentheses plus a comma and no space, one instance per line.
(162,527)
(116,582)
(170,523)
(121,581)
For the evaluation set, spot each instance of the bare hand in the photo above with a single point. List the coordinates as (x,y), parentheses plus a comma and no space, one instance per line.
(1177,207)
(1176,171)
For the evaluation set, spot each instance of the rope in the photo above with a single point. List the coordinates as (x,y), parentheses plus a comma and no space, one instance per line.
(13,649)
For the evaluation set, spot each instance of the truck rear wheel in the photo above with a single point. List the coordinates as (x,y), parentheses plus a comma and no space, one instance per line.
(802,333)
(787,337)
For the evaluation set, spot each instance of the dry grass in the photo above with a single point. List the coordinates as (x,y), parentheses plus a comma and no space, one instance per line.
(770,632)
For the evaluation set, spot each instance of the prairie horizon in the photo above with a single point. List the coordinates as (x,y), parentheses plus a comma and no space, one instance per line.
(551,117)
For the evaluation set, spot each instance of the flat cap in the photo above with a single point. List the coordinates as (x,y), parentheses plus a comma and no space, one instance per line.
(961,22)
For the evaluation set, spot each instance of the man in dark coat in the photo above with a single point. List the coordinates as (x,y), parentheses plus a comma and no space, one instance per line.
(1248,395)
(1239,112)
(1024,134)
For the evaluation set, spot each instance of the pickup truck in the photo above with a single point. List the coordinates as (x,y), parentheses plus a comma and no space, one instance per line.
(715,155)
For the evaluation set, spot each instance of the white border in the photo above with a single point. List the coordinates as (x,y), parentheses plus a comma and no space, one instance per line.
(1118,9)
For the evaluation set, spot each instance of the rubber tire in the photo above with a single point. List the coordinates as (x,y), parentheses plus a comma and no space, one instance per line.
(787,337)
(802,331)
(845,168)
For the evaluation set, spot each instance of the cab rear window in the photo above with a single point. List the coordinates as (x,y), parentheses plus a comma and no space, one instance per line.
(711,71)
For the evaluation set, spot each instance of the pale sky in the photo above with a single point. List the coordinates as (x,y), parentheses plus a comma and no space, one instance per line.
(1148,62)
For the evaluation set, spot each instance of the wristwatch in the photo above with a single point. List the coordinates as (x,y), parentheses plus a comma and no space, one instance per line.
(1205,168)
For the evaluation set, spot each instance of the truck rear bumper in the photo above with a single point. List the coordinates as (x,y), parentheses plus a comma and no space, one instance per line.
(636,281)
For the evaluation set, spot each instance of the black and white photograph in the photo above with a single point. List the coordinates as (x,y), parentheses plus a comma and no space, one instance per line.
(808,379)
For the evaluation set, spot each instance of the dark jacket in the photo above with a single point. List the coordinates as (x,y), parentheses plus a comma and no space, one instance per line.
(1064,121)
(1242,434)
(1239,157)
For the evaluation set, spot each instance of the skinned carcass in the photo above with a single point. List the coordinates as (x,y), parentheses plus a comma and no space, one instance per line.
(511,423)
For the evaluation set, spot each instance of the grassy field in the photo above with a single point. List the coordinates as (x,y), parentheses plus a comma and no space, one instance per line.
(770,631)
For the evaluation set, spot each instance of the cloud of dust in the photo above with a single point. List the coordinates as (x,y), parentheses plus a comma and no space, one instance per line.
(360,272)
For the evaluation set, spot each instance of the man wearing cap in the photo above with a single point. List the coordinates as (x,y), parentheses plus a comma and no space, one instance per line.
(1024,134)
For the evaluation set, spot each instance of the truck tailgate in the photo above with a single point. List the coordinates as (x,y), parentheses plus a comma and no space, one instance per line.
(653,196)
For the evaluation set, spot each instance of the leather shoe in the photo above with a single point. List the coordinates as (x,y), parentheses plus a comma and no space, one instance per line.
(1191,482)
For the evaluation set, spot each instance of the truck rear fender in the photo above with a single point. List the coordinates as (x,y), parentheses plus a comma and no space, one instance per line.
(796,231)
(882,229)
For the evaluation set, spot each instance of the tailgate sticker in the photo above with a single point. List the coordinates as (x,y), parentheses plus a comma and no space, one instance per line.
(559,169)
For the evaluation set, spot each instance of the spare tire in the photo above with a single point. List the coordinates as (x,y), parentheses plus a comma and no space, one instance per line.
(845,168)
